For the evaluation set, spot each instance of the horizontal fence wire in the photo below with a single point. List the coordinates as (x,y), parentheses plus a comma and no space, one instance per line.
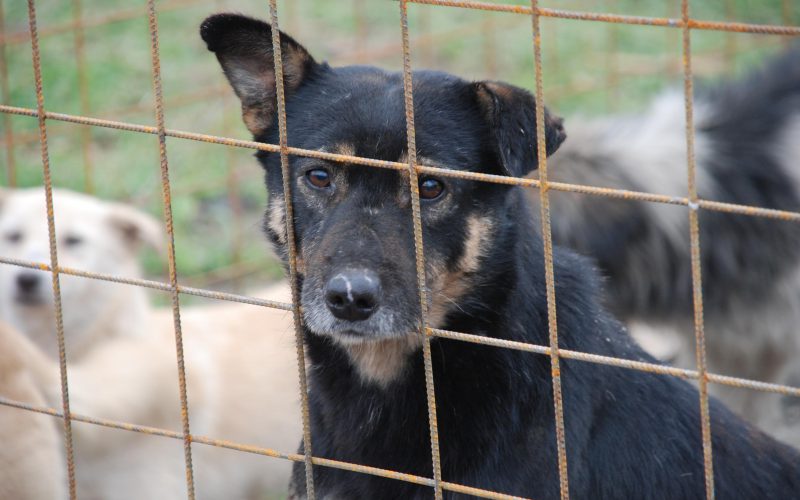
(16,37)
(763,29)
(691,201)
(464,337)
(625,194)
(248,448)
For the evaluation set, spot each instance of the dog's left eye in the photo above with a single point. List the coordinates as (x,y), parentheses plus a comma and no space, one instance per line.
(430,188)
(13,237)
(72,240)
(319,178)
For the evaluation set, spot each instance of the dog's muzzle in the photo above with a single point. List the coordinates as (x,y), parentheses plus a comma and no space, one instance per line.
(28,288)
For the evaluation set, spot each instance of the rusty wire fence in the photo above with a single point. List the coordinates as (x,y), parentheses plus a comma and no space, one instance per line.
(683,23)
(242,260)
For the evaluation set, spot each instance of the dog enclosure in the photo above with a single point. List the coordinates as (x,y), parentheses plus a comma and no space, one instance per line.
(680,23)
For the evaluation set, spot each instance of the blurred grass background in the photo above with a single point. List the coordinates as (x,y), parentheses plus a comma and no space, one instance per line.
(590,68)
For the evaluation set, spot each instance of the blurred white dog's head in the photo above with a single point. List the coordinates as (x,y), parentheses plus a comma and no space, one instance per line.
(91,235)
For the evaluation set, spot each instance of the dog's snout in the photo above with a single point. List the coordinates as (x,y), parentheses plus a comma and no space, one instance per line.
(353,294)
(28,282)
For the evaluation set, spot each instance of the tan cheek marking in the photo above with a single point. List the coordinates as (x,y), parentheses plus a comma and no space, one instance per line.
(277,218)
(448,287)
(445,288)
(478,232)
(383,361)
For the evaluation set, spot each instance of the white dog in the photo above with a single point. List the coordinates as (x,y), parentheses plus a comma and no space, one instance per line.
(240,361)
(92,236)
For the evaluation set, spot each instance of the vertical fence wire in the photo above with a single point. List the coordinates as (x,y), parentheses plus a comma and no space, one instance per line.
(425,52)
(730,49)
(51,229)
(419,253)
(541,149)
(693,202)
(83,94)
(694,236)
(362,32)
(612,65)
(787,18)
(291,243)
(489,32)
(5,95)
(173,274)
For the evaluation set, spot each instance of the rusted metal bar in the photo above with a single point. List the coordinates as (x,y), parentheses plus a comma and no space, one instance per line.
(83,94)
(694,238)
(459,174)
(291,243)
(51,231)
(360,18)
(113,17)
(464,337)
(547,242)
(257,450)
(764,29)
(692,201)
(730,48)
(419,254)
(612,66)
(5,95)
(173,273)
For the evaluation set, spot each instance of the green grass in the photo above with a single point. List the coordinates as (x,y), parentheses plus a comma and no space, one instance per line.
(588,69)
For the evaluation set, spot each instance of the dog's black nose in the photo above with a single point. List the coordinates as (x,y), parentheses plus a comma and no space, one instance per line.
(27,282)
(353,294)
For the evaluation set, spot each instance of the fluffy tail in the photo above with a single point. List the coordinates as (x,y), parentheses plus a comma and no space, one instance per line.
(756,106)
(746,131)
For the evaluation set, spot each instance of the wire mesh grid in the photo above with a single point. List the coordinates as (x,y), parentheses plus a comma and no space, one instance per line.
(693,203)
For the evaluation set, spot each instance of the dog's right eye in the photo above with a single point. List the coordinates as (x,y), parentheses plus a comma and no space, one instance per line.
(319,178)
(13,237)
(71,240)
(430,188)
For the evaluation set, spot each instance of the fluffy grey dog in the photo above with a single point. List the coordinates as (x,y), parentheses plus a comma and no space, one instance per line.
(748,151)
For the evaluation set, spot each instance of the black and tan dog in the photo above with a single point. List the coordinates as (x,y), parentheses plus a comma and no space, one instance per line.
(628,434)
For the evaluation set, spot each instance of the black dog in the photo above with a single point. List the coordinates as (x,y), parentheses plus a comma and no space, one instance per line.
(629,434)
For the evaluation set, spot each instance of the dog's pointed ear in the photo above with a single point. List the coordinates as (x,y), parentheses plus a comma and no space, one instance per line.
(510,113)
(243,46)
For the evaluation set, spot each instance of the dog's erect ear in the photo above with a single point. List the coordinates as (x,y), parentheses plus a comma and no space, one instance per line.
(243,46)
(510,113)
(135,228)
